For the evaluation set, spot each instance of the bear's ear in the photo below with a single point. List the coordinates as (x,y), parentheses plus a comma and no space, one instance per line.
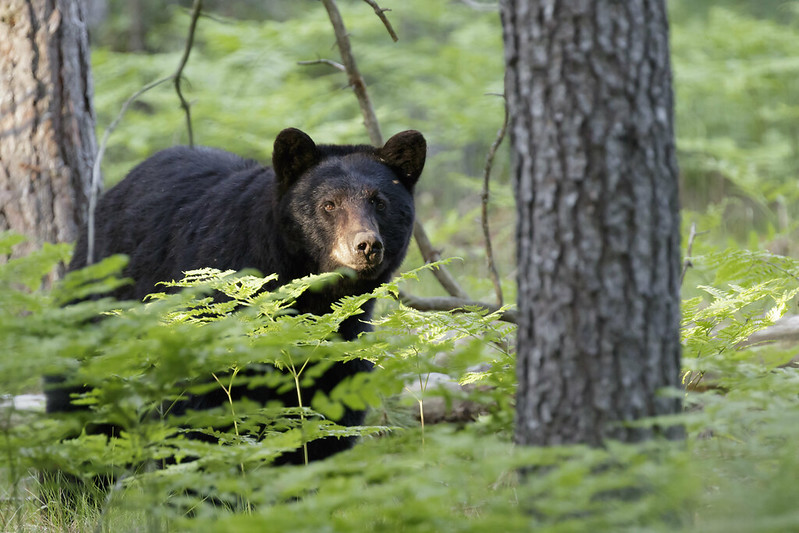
(293,154)
(405,152)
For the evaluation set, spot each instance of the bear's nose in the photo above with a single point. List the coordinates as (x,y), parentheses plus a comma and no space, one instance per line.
(368,244)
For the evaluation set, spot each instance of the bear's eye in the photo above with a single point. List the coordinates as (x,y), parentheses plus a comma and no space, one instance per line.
(379,204)
(329,206)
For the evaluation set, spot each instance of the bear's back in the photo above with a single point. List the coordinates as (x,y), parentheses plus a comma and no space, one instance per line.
(173,190)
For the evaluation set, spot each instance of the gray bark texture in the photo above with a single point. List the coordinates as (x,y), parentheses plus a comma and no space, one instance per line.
(47,139)
(598,232)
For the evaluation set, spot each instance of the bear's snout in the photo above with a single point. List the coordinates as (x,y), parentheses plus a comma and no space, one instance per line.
(367,244)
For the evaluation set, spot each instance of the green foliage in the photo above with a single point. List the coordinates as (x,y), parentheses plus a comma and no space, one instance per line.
(245,85)
(735,471)
(751,291)
(743,426)
(735,76)
(140,359)
(736,112)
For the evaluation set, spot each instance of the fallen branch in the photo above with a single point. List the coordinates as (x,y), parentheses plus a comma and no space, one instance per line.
(443,399)
(449,303)
(786,329)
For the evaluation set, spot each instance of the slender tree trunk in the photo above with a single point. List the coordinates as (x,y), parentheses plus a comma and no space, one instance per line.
(47,140)
(136,17)
(598,232)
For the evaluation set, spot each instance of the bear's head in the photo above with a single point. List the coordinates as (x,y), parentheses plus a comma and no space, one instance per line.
(348,206)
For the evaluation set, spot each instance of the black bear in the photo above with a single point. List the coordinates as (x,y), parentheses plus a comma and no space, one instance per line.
(319,208)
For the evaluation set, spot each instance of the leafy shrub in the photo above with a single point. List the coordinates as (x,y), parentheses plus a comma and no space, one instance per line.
(140,359)
(735,471)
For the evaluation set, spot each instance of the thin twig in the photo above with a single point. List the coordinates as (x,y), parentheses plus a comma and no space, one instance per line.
(686,264)
(178,76)
(335,64)
(95,187)
(431,255)
(96,177)
(354,75)
(778,267)
(492,267)
(373,128)
(381,13)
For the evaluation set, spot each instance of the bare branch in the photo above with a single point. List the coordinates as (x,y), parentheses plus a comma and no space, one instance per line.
(450,303)
(492,268)
(178,76)
(335,64)
(778,267)
(686,264)
(96,175)
(429,254)
(354,75)
(95,187)
(380,12)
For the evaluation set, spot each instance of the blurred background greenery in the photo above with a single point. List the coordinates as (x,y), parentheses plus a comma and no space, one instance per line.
(736,79)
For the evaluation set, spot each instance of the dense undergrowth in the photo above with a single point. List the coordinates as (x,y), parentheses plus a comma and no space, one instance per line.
(735,79)
(735,471)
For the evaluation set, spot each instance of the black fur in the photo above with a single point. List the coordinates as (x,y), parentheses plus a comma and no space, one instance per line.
(319,208)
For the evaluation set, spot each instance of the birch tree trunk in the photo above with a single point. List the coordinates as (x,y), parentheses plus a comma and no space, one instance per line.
(47,140)
(598,232)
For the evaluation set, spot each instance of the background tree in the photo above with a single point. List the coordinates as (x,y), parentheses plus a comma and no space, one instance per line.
(47,140)
(598,230)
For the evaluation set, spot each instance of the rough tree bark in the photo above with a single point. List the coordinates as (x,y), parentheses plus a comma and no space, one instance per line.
(589,93)
(47,140)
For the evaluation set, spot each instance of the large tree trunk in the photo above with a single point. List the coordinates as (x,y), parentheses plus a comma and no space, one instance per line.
(47,140)
(589,92)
